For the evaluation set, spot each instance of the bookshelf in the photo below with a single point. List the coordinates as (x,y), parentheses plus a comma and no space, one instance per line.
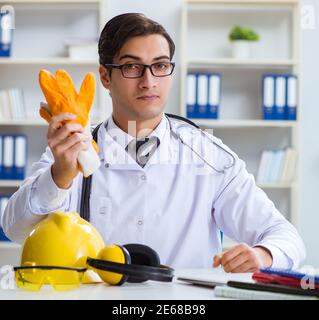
(47,61)
(42,28)
(10,183)
(205,47)
(245,124)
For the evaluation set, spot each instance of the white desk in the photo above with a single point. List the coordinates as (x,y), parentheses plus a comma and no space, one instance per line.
(150,290)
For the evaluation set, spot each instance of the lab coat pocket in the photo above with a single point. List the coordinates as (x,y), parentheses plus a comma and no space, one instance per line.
(104,206)
(101,218)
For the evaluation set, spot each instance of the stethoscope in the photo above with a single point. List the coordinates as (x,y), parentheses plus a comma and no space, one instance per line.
(176,135)
(87,182)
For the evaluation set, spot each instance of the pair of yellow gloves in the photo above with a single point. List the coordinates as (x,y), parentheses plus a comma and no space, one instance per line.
(61,96)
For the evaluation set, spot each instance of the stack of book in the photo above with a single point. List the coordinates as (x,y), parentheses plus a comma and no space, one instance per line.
(273,284)
(265,284)
(11,104)
(287,277)
(277,166)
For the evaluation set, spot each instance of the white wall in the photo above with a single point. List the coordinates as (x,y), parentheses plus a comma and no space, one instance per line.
(309,156)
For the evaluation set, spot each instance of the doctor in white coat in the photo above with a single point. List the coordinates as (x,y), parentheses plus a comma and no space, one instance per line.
(176,193)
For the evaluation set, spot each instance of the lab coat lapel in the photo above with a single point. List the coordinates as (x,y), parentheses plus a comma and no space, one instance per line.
(112,154)
(163,153)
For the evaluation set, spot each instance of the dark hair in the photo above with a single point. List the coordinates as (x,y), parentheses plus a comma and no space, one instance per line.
(123,27)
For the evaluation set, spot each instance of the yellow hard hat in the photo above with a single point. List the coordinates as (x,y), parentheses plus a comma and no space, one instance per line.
(63,239)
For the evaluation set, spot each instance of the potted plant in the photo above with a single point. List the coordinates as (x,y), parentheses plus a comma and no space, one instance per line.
(241,38)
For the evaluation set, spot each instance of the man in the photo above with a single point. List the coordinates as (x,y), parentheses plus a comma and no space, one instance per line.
(156,196)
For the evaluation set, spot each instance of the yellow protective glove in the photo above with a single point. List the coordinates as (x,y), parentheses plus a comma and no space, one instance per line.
(61,96)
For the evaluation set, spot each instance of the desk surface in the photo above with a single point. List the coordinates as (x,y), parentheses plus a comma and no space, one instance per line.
(150,290)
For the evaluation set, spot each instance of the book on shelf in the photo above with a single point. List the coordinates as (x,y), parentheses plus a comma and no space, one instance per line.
(82,48)
(13,156)
(3,203)
(279,97)
(12,104)
(203,95)
(277,166)
(6,31)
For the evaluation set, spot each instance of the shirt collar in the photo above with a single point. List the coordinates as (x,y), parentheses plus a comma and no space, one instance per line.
(116,133)
(123,138)
(112,143)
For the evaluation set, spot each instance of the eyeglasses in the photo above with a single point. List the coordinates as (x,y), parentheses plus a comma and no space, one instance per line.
(137,70)
(32,278)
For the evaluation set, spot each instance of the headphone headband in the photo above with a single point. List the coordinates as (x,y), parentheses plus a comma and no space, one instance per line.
(161,273)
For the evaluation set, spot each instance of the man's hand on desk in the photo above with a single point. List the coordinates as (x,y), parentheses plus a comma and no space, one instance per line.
(243,258)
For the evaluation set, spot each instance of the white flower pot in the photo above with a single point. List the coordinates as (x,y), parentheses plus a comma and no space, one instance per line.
(241,49)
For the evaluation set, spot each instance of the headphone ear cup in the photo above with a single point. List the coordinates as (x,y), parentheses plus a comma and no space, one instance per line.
(113,253)
(142,255)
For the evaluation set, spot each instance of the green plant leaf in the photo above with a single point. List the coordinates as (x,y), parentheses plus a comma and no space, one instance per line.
(243,33)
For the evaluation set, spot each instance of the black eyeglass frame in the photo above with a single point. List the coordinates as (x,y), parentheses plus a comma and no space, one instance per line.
(121,66)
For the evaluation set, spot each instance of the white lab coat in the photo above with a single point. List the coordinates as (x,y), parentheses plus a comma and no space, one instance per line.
(176,204)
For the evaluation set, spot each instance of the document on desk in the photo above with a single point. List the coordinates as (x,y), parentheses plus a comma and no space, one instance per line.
(212,277)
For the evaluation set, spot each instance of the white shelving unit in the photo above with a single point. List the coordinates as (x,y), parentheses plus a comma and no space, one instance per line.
(47,61)
(245,123)
(10,183)
(41,29)
(242,64)
(205,47)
